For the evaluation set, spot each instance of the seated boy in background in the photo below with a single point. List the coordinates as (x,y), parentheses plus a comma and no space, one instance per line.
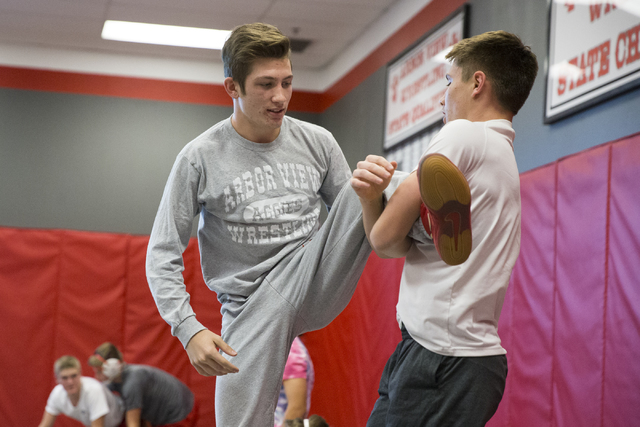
(81,398)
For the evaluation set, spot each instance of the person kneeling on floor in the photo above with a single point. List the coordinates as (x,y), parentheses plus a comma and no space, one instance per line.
(152,397)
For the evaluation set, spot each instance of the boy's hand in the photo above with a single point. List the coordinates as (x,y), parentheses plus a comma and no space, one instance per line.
(372,176)
(205,357)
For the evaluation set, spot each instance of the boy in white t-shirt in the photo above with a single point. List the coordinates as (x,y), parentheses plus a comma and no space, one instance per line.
(450,368)
(82,398)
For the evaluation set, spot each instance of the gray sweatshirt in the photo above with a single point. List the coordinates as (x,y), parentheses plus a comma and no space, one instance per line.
(257,203)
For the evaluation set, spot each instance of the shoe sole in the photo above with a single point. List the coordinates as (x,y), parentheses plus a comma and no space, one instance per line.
(445,192)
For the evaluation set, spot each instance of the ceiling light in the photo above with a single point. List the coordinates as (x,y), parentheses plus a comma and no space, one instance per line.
(171,35)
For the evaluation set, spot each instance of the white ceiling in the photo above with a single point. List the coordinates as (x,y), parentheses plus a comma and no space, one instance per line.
(65,34)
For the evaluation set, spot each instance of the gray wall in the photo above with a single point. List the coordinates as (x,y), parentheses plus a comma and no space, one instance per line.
(91,163)
(357,120)
(97,163)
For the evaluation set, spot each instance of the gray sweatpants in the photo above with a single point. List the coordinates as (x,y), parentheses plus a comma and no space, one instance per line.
(304,292)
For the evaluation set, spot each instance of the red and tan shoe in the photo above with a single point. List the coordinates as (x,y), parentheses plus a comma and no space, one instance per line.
(446,210)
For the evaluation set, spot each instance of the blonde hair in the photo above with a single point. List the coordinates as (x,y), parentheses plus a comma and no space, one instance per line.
(250,42)
(66,362)
(509,65)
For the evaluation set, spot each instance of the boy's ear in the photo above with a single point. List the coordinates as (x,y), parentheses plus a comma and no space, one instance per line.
(231,87)
(480,82)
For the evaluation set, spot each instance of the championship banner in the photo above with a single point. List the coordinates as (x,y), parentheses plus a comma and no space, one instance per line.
(416,82)
(594,54)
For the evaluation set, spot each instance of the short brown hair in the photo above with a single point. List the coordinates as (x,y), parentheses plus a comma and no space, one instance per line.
(250,42)
(509,65)
(105,351)
(66,362)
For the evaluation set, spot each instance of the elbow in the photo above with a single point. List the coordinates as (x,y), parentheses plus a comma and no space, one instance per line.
(389,253)
(386,248)
(380,248)
(377,241)
(383,255)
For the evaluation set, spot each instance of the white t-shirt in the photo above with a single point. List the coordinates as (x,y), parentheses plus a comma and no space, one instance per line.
(454,310)
(95,401)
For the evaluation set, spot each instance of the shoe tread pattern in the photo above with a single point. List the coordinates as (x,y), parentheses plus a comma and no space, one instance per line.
(445,192)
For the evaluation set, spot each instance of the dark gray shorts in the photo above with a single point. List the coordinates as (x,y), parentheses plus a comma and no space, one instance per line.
(422,388)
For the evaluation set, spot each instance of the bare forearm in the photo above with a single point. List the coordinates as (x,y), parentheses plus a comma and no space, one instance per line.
(389,249)
(389,233)
(294,412)
(47,420)
(296,392)
(371,211)
(369,181)
(133,417)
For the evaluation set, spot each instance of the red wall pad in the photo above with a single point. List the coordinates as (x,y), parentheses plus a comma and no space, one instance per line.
(66,292)
(207,308)
(91,293)
(349,354)
(28,305)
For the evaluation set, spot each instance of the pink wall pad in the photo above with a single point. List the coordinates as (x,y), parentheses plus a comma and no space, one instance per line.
(580,274)
(621,373)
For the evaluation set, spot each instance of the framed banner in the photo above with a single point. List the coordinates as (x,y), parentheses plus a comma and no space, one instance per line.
(594,54)
(416,81)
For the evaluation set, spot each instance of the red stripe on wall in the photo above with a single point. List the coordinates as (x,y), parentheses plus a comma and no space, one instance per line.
(133,87)
(309,102)
(211,94)
(126,87)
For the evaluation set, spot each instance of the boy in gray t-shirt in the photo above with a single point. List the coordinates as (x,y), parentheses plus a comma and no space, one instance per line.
(151,396)
(161,397)
(258,181)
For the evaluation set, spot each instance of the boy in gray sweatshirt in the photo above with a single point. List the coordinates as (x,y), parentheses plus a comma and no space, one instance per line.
(258,181)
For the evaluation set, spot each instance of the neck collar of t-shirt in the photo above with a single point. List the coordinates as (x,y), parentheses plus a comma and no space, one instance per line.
(236,138)
(504,127)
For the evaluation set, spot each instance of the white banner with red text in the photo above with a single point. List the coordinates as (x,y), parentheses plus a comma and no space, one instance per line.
(416,82)
(594,53)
